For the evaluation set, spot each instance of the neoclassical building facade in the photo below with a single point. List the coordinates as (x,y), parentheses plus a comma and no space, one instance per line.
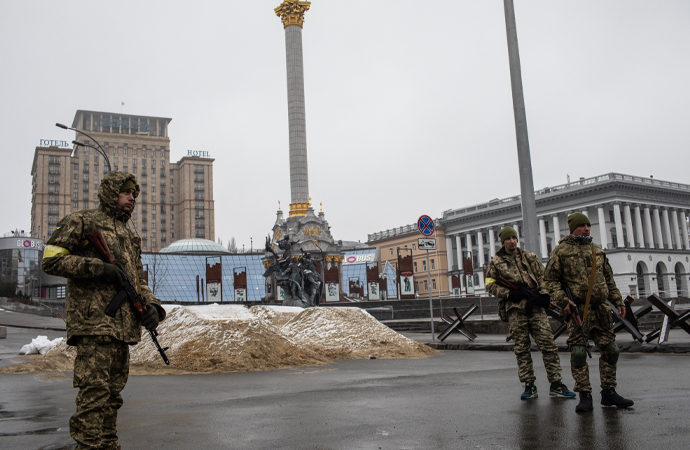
(642,223)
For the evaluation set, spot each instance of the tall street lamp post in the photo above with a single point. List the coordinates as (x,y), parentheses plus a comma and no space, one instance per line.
(99,149)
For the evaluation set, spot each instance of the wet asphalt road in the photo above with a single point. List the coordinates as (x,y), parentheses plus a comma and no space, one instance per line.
(456,399)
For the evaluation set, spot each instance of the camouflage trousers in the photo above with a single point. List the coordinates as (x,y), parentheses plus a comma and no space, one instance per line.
(101,369)
(599,328)
(537,325)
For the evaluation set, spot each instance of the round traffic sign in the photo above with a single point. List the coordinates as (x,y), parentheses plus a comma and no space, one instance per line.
(425,224)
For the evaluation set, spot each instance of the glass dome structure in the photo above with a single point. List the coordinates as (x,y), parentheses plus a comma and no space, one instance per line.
(195,246)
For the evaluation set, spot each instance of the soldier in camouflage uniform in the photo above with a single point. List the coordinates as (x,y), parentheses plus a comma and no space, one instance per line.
(522,268)
(101,367)
(571,264)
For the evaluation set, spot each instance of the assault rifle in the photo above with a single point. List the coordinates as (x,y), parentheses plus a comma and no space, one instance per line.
(575,316)
(535,298)
(127,292)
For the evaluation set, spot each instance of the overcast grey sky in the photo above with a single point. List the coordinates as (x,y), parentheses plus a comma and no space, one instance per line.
(408,103)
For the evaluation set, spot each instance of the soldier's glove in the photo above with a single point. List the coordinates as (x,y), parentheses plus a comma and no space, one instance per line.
(113,274)
(150,318)
(515,296)
(540,299)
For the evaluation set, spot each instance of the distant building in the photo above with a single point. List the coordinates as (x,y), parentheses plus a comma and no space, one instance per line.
(20,269)
(403,240)
(176,199)
(641,222)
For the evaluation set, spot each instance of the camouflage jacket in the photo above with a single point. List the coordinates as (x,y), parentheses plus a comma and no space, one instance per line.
(571,263)
(69,254)
(503,265)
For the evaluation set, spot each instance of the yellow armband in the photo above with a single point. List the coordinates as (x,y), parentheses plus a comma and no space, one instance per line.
(488,281)
(53,250)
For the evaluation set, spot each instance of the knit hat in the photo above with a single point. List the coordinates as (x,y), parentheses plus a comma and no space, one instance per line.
(507,233)
(129,184)
(577,220)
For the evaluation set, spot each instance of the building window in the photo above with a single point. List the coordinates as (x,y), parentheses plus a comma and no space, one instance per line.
(423,266)
(414,246)
(391,251)
(416,286)
(61,291)
(426,285)
(415,266)
(433,283)
(433,265)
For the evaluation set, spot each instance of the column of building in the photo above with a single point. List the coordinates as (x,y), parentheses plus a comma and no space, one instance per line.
(542,238)
(449,262)
(629,225)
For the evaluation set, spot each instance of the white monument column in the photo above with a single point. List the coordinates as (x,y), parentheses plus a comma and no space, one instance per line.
(667,228)
(468,242)
(449,261)
(657,228)
(492,243)
(542,238)
(684,230)
(619,225)
(480,248)
(556,230)
(458,245)
(603,234)
(648,227)
(629,225)
(638,227)
(676,230)
(291,13)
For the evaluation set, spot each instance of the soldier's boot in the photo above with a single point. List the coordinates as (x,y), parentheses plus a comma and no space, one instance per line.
(609,397)
(530,391)
(585,404)
(558,389)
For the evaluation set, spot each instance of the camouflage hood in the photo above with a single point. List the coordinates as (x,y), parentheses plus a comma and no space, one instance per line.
(109,191)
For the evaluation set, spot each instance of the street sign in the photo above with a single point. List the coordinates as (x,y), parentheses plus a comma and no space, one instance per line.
(426,243)
(425,224)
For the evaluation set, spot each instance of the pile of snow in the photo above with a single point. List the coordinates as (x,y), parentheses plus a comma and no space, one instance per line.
(230,338)
(41,344)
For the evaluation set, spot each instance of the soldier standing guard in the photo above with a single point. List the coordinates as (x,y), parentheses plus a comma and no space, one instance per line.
(522,268)
(101,367)
(583,267)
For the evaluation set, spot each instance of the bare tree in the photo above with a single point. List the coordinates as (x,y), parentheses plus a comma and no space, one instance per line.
(158,272)
(232,245)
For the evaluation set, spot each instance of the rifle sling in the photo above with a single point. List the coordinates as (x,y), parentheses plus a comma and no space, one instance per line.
(591,283)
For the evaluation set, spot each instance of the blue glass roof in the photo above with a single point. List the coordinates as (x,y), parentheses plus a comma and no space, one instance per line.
(173,276)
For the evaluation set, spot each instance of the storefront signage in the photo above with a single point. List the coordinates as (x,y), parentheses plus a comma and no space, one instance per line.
(29,243)
(359,259)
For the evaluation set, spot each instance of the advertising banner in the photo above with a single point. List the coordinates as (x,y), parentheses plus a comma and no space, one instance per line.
(332,292)
(213,292)
(373,287)
(406,284)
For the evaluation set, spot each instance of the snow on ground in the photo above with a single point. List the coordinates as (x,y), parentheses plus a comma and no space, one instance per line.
(39,345)
(230,338)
